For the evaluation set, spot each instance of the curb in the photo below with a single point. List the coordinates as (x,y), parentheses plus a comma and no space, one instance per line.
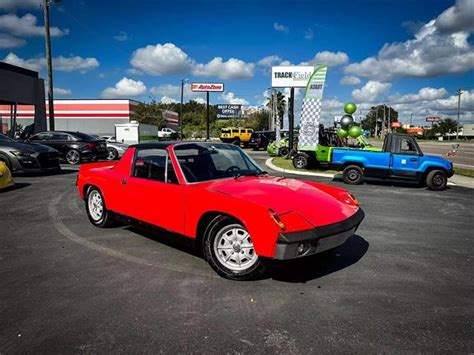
(269,163)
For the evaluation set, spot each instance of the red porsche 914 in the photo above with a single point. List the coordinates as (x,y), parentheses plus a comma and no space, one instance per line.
(217,195)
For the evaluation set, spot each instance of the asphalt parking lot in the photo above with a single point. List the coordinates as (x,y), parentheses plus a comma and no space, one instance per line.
(404,283)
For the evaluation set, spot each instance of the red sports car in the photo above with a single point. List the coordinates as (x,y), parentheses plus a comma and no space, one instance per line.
(217,195)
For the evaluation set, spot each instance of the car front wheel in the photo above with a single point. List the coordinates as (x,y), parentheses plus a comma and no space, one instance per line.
(96,209)
(112,154)
(437,180)
(229,250)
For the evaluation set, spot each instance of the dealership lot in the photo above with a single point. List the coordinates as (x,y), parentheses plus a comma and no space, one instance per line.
(404,283)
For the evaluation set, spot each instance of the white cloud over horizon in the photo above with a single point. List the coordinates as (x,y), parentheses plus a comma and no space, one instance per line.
(124,88)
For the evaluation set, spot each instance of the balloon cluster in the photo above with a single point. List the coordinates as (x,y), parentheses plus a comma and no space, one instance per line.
(348,127)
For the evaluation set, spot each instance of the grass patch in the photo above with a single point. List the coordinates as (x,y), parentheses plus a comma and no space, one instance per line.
(287,164)
(464,172)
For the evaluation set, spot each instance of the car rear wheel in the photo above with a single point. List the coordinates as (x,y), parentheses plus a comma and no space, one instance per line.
(283,151)
(112,154)
(353,175)
(96,209)
(300,160)
(437,180)
(73,157)
(229,250)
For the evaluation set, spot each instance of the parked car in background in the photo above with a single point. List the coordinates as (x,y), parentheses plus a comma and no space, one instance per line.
(236,135)
(6,179)
(73,147)
(115,149)
(260,140)
(109,138)
(27,157)
(166,132)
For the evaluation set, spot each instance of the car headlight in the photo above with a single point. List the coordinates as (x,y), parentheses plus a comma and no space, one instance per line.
(23,153)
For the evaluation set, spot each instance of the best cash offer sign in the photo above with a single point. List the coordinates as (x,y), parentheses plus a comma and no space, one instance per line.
(291,76)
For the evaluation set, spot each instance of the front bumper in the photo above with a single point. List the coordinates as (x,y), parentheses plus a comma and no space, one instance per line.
(312,241)
(42,162)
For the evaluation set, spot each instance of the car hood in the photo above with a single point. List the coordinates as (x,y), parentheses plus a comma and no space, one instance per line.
(437,159)
(319,206)
(40,148)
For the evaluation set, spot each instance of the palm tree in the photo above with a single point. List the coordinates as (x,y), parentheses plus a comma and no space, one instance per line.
(280,106)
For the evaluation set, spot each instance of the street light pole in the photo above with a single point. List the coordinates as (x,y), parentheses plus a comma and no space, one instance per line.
(49,64)
(411,118)
(459,110)
(181,109)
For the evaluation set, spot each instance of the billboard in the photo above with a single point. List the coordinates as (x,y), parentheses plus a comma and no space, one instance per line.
(225,111)
(433,119)
(203,87)
(291,76)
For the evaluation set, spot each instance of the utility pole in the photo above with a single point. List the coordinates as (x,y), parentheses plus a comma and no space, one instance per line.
(459,111)
(49,64)
(411,118)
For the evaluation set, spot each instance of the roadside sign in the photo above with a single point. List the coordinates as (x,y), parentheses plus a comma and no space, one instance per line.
(395,124)
(203,87)
(225,111)
(433,119)
(291,76)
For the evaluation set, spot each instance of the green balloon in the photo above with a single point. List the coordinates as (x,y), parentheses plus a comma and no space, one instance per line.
(355,131)
(350,108)
(341,133)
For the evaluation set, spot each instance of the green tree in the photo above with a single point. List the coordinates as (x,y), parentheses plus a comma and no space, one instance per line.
(150,113)
(280,102)
(259,120)
(369,122)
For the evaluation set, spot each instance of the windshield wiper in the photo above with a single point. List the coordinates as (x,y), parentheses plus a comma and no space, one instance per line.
(251,173)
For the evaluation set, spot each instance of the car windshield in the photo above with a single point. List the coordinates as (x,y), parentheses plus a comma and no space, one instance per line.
(211,161)
(4,138)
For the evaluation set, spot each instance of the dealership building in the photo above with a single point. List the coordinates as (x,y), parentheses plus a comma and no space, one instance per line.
(88,116)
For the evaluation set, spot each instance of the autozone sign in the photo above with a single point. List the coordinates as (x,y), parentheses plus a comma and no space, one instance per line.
(207,87)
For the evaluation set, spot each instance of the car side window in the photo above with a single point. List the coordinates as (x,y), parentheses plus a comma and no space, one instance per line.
(154,164)
(59,137)
(42,137)
(407,147)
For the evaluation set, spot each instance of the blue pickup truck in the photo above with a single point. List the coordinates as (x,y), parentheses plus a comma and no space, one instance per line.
(400,159)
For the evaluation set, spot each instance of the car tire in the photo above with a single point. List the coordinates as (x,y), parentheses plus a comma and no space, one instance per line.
(73,157)
(437,180)
(113,154)
(301,160)
(7,162)
(246,145)
(353,175)
(283,151)
(230,252)
(96,209)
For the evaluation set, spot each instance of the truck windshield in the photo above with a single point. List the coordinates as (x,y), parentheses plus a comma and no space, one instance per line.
(211,161)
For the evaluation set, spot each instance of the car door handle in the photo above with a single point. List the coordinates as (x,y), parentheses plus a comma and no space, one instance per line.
(413,159)
(124,181)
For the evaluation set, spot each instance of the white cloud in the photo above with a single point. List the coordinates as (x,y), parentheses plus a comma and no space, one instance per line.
(122,36)
(168,59)
(232,69)
(66,64)
(439,47)
(350,80)
(62,92)
(424,94)
(26,26)
(230,98)
(309,34)
(32,64)
(69,64)
(7,41)
(174,92)
(269,61)
(280,28)
(457,18)
(200,100)
(20,4)
(332,59)
(161,59)
(370,91)
(168,100)
(124,88)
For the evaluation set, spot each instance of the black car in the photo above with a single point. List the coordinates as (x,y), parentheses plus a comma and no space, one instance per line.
(28,157)
(74,147)
(261,139)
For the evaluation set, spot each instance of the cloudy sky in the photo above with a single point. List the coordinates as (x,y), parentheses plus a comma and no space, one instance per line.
(412,54)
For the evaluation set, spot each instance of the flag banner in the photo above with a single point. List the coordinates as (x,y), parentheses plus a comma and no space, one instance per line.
(311,110)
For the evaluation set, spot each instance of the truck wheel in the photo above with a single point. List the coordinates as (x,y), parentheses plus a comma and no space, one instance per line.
(353,175)
(300,160)
(437,180)
(230,251)
(283,151)
(96,209)
(246,144)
